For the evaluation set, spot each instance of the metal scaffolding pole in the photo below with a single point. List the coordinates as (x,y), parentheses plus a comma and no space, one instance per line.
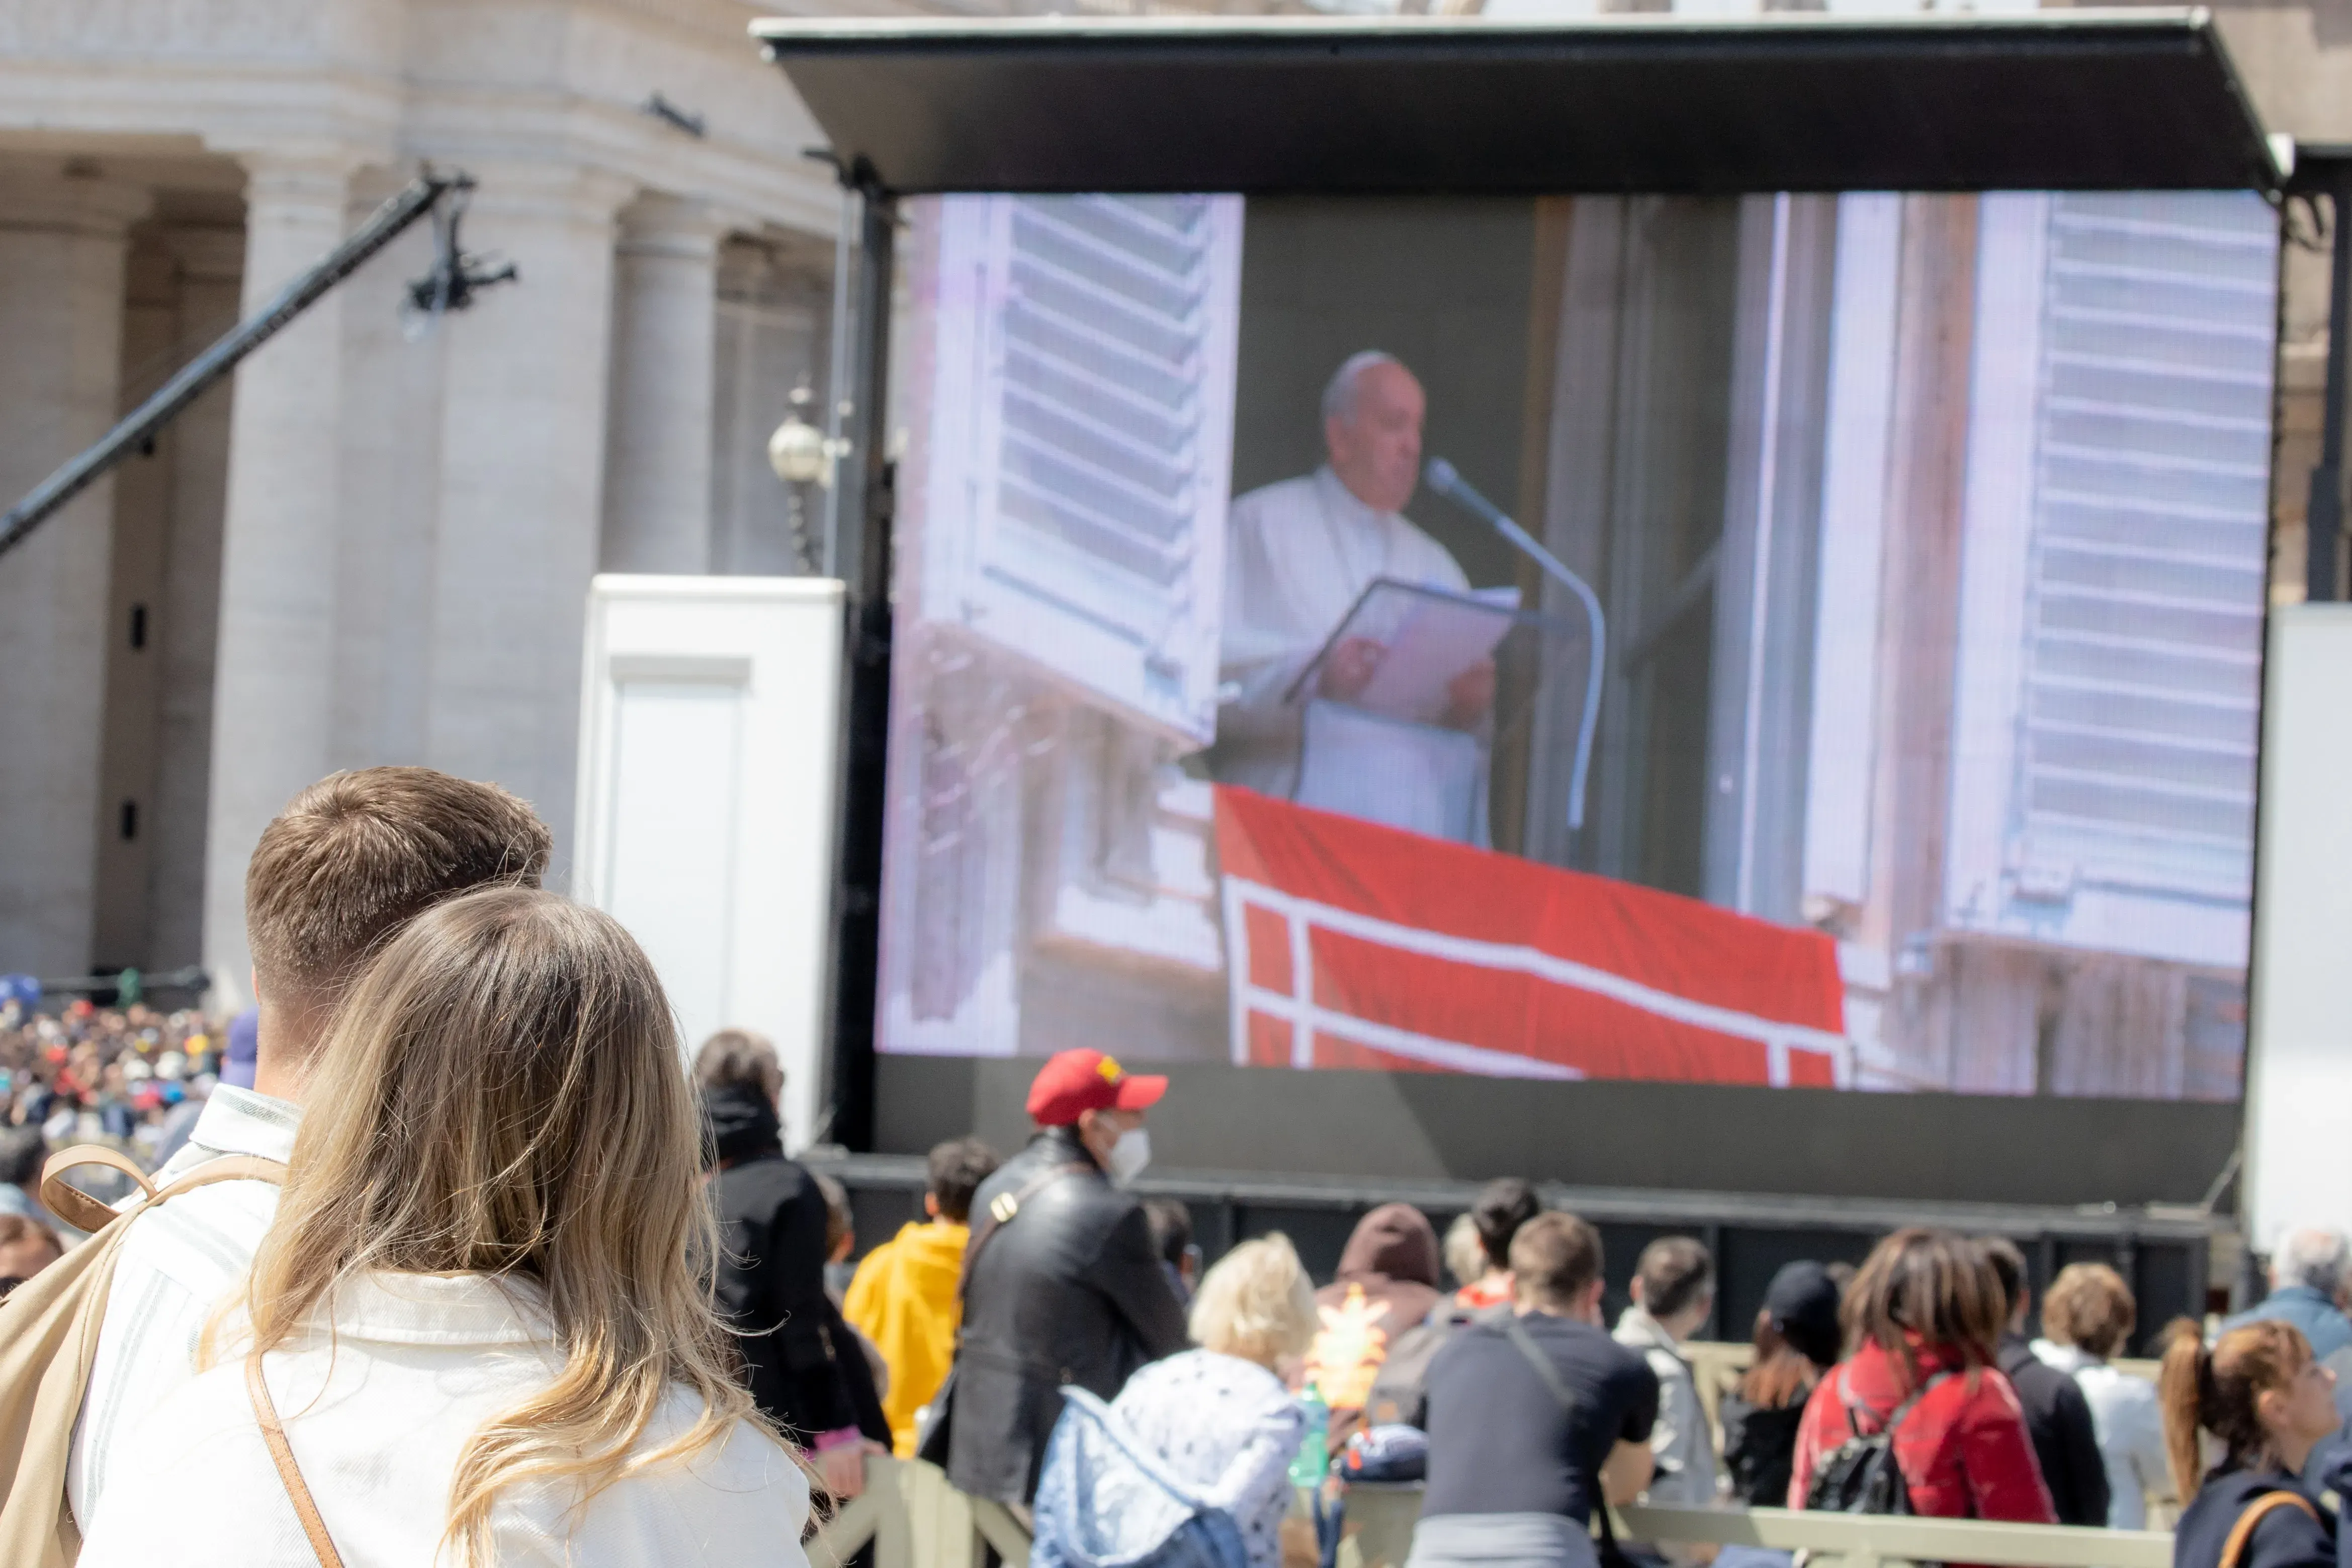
(138,428)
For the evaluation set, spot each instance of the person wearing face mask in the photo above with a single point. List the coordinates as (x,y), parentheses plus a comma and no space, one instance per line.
(1062,1285)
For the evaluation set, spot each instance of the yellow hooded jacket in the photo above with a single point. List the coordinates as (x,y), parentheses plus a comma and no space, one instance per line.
(903,1298)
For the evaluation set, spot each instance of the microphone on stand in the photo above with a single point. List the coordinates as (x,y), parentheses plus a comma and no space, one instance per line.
(1447,481)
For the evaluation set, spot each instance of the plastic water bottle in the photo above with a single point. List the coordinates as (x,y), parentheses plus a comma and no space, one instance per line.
(1314,1458)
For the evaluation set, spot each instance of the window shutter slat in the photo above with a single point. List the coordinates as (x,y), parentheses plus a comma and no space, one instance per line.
(2146,560)
(1080,523)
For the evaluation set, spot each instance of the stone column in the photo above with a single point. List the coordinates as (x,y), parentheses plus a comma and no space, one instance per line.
(211,262)
(122,806)
(657,449)
(522,434)
(389,512)
(274,670)
(62,246)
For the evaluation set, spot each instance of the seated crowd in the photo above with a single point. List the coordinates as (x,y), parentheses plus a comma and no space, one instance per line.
(521,1291)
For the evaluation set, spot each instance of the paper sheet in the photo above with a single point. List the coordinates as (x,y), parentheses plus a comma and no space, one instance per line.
(1436,640)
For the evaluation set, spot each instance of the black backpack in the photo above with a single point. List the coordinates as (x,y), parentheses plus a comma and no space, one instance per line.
(1861,1476)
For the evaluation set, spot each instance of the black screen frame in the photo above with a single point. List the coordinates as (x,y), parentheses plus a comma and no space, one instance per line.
(1927,1146)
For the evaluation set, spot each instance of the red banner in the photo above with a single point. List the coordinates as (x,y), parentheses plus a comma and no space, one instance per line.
(1353,944)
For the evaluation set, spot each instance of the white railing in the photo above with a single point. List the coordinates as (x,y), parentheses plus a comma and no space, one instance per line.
(1867,1540)
(916,1520)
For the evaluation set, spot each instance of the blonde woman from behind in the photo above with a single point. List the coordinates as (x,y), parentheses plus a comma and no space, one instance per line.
(1221,1416)
(477,1312)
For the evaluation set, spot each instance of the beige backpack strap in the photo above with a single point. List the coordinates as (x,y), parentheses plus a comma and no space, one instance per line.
(73,1206)
(227,1168)
(2242,1533)
(81,1211)
(281,1454)
(49,1330)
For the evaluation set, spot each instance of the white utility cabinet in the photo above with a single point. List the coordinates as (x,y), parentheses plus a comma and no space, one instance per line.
(709,741)
(2299,1045)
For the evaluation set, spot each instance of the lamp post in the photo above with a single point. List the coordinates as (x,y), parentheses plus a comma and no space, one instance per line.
(801,454)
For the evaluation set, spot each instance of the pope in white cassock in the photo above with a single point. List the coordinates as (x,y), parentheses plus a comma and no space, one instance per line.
(1298,555)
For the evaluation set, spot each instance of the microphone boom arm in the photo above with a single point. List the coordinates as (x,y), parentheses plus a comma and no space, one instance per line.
(1448,482)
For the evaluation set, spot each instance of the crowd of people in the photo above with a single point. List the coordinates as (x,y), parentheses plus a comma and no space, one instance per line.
(518,1290)
(1065,1355)
(88,1074)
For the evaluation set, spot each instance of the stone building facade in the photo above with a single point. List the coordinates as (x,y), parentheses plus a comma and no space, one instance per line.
(376,545)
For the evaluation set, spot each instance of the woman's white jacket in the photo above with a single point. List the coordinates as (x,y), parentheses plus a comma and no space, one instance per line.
(377,1406)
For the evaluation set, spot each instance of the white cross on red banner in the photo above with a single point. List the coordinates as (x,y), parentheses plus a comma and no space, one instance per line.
(1352,944)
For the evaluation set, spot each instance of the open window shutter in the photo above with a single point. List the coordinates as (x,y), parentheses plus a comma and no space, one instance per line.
(1082,442)
(2145,571)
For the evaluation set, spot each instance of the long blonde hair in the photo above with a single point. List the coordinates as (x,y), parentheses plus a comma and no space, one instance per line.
(505,1096)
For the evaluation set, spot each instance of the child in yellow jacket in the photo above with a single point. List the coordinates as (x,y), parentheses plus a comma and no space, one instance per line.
(904,1295)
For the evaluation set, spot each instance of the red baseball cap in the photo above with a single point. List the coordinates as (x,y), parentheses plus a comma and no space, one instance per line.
(1071,1083)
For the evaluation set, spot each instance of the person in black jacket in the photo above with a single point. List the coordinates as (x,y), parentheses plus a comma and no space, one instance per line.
(2057,1416)
(1797,1340)
(801,1364)
(1062,1285)
(2270,1402)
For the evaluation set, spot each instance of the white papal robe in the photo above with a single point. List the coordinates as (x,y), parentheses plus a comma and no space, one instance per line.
(1298,555)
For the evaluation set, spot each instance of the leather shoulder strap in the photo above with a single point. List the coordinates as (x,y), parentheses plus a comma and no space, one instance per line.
(2241,1533)
(227,1168)
(281,1454)
(73,1206)
(1855,1407)
(1001,1210)
(83,1212)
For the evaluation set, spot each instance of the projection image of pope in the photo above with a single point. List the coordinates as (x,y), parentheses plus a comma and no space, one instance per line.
(1300,552)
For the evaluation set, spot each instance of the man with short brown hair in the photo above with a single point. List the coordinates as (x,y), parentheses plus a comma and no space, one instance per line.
(1536,1419)
(1555,1261)
(350,860)
(1673,1296)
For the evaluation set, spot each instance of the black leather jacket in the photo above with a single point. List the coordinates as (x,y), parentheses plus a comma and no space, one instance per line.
(1067,1291)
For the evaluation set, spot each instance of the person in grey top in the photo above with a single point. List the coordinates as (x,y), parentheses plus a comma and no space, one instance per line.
(2311,1275)
(1674,1295)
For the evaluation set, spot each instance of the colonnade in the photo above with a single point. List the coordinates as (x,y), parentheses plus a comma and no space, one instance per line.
(377,550)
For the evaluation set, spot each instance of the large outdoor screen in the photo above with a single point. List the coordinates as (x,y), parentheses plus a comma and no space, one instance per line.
(1797,640)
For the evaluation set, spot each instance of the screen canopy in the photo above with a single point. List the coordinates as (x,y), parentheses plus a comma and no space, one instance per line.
(2124,100)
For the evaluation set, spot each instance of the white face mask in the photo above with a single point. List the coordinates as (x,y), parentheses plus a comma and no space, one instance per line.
(1130,1154)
